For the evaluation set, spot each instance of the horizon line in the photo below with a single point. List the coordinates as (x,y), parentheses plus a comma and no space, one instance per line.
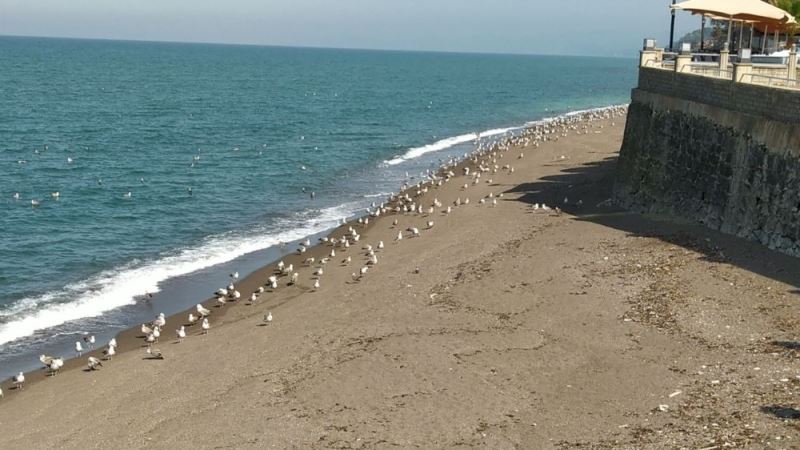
(314,47)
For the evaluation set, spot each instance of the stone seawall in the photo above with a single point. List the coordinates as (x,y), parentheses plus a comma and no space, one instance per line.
(722,153)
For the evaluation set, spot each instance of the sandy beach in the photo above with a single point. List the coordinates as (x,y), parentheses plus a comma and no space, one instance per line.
(499,327)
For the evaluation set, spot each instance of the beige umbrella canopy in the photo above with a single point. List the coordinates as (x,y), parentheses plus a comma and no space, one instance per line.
(749,10)
(757,13)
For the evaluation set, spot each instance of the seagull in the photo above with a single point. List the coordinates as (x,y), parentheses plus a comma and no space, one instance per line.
(154,353)
(94,363)
(160,321)
(110,351)
(127,195)
(399,236)
(146,330)
(235,275)
(295,276)
(253,298)
(181,333)
(56,365)
(89,340)
(112,342)
(430,224)
(203,312)
(380,245)
(34,202)
(220,301)
(55,195)
(69,160)
(206,326)
(16,196)
(319,272)
(46,360)
(78,348)
(19,380)
(1,392)
(268,318)
(316,284)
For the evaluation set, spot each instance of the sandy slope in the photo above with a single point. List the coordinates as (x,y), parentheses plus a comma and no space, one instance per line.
(522,329)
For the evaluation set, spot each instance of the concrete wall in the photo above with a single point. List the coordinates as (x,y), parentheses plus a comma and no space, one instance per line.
(726,154)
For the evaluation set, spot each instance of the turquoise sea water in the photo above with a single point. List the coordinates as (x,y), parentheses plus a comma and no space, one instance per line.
(250,130)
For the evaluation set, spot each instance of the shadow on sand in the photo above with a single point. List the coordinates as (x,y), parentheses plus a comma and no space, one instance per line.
(592,185)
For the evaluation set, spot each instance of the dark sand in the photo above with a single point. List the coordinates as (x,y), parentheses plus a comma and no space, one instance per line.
(595,328)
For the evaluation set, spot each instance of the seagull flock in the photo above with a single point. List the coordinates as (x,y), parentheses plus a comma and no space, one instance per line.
(483,162)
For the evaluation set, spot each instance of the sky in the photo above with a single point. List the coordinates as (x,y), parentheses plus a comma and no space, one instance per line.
(565,27)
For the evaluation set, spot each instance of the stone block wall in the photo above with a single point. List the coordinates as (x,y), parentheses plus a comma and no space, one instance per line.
(723,153)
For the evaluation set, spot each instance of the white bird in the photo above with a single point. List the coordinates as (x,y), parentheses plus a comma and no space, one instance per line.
(127,195)
(46,360)
(90,340)
(56,365)
(414,231)
(34,202)
(19,380)
(160,321)
(260,290)
(94,363)
(221,301)
(156,333)
(380,245)
(274,285)
(203,312)
(235,275)
(151,339)
(316,284)
(192,319)
(253,298)
(268,318)
(110,351)
(1,392)
(399,236)
(112,342)
(430,224)
(295,276)
(15,196)
(154,353)
(206,326)
(146,330)
(78,348)
(181,333)
(319,272)
(55,194)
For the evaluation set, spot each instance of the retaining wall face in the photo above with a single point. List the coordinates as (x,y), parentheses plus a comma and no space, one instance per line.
(690,165)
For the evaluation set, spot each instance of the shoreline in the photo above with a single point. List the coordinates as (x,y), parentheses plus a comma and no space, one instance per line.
(505,325)
(493,138)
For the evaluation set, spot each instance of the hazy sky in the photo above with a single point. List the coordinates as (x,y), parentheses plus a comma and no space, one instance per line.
(610,27)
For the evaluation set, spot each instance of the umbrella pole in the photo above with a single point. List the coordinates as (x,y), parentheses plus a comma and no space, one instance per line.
(750,42)
(672,28)
(741,30)
(764,40)
(777,36)
(730,25)
(702,32)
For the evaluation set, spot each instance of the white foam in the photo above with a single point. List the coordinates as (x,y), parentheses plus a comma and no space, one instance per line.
(450,142)
(116,288)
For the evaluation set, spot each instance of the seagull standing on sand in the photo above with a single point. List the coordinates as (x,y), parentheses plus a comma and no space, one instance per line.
(192,319)
(19,380)
(154,353)
(78,348)
(181,333)
(94,363)
(112,342)
(206,326)
(110,351)
(268,318)
(203,312)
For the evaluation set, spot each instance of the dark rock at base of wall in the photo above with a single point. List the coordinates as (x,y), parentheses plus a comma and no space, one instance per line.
(675,162)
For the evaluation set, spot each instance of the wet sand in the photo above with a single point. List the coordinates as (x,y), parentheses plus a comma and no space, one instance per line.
(593,328)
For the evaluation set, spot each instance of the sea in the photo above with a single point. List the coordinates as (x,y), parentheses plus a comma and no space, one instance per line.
(136,176)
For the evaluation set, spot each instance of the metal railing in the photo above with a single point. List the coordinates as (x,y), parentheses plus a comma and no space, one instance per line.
(766,80)
(708,71)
